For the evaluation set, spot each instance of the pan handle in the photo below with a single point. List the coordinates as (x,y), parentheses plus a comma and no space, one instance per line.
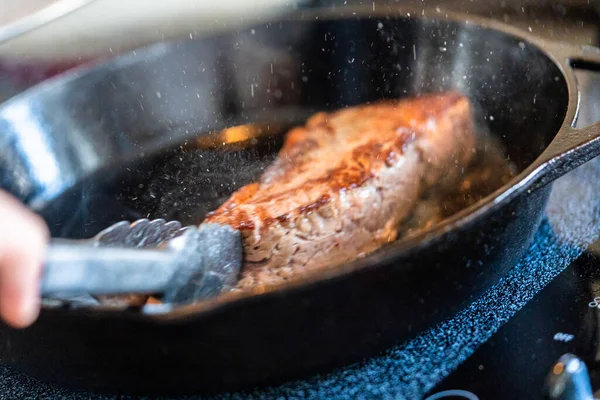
(572,146)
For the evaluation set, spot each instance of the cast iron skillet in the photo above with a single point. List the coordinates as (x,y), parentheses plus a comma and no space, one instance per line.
(92,125)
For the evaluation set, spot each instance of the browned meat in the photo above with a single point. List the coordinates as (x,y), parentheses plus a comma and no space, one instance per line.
(344,182)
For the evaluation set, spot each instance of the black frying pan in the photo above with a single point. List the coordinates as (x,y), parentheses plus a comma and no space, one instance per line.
(72,149)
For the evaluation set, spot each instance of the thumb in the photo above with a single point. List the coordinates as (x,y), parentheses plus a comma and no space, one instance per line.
(23,241)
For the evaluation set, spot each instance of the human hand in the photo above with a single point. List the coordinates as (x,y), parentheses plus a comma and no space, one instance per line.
(23,241)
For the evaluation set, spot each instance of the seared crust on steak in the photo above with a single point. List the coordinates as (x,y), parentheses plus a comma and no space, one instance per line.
(343,183)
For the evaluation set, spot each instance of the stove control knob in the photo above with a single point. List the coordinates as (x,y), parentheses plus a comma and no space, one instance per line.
(569,380)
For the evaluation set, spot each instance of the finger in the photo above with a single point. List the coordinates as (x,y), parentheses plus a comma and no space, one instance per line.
(23,240)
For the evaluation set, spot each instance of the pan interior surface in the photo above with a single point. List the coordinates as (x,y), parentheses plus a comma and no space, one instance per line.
(105,128)
(110,132)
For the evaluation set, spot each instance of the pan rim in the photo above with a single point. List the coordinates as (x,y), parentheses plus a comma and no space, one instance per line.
(393,251)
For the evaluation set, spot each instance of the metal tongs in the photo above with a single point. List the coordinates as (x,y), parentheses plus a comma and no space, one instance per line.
(146,257)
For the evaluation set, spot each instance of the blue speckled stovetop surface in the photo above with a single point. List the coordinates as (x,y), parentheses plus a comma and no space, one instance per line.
(410,370)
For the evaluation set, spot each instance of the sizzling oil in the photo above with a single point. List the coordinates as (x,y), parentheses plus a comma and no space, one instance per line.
(488,171)
(201,175)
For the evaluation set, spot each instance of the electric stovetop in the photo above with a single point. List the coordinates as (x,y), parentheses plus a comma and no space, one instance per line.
(520,360)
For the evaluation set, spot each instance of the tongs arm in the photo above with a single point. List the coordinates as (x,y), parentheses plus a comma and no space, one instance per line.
(73,267)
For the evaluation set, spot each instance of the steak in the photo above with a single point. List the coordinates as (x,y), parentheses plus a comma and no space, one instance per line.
(343,184)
